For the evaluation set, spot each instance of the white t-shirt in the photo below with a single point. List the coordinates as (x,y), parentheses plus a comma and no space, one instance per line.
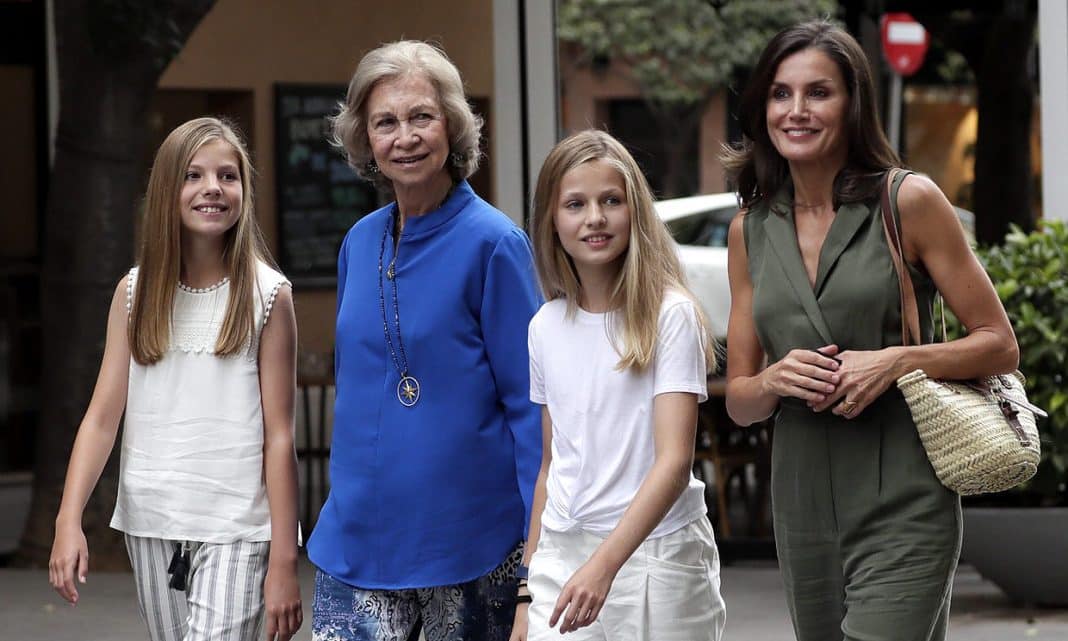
(602,447)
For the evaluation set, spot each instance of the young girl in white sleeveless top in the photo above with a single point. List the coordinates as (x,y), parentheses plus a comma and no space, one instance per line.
(207,489)
(618,360)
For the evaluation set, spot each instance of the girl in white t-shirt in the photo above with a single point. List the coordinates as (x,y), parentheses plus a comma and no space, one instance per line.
(207,485)
(620,546)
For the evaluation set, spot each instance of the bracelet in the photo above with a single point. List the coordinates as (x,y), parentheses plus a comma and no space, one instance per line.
(522,571)
(523,598)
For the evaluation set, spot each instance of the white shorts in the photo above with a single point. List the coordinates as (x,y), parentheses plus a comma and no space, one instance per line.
(224,599)
(668,590)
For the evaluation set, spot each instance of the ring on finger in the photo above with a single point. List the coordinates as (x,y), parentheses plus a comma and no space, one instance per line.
(848,406)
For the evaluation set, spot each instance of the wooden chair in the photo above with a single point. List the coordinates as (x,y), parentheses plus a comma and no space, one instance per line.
(731,450)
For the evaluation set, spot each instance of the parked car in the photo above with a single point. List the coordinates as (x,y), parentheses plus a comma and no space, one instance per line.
(699,225)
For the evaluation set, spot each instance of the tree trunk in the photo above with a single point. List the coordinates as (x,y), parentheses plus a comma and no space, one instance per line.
(106,79)
(1003,180)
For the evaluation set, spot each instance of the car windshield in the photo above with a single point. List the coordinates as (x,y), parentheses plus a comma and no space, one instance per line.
(704,229)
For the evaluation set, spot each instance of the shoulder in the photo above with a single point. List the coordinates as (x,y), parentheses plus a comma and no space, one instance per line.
(917,192)
(736,232)
(921,201)
(549,312)
(268,278)
(677,307)
(368,227)
(490,223)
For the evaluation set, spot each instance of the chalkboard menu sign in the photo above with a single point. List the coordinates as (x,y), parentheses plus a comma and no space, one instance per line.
(319,195)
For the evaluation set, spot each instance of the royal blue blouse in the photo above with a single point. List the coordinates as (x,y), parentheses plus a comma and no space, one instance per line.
(440,492)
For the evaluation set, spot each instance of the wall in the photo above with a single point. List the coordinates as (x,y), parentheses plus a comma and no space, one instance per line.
(585,91)
(251,44)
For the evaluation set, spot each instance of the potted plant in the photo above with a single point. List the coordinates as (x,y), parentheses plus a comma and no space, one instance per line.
(1018,539)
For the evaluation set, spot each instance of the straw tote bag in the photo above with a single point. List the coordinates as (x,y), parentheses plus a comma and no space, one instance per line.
(980,435)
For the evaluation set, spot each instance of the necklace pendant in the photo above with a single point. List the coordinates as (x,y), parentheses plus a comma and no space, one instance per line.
(389,272)
(408,391)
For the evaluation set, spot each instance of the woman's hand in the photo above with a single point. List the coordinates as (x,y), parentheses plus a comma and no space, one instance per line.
(281,596)
(810,375)
(519,625)
(863,377)
(70,558)
(583,595)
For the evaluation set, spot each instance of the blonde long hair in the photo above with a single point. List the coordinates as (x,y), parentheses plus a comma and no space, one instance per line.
(159,254)
(651,263)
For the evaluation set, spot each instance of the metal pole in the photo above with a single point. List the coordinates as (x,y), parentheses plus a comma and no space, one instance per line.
(893,112)
(1053,65)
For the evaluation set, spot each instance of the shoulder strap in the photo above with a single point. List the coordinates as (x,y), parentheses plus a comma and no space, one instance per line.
(910,315)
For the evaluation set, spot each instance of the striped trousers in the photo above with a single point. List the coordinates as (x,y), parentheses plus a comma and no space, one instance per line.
(224,599)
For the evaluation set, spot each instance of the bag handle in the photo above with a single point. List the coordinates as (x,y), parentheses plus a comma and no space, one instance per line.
(910,315)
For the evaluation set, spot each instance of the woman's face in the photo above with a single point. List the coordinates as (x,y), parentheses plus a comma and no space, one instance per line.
(806,109)
(407,130)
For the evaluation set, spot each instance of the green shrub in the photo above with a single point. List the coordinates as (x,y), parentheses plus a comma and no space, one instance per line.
(1030,273)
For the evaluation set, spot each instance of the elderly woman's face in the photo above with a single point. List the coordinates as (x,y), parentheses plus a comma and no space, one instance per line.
(407,130)
(806,108)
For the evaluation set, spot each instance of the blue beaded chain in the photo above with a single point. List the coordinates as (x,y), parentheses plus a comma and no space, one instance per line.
(411,393)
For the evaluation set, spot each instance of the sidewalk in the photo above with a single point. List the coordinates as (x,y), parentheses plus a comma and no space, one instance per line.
(756,611)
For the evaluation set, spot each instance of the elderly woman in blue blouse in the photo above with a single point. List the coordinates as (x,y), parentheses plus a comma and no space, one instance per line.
(436,446)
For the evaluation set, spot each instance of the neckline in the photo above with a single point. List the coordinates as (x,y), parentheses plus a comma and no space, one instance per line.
(204,290)
(426,223)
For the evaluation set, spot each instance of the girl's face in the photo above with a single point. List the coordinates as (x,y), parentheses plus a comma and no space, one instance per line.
(212,191)
(592,216)
(806,108)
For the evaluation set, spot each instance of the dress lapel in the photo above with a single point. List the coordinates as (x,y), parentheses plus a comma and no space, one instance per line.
(780,231)
(847,221)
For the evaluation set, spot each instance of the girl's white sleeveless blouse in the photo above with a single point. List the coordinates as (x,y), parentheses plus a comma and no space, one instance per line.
(192,448)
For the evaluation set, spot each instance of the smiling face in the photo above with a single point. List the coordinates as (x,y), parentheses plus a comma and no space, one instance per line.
(408,132)
(592,217)
(212,192)
(806,109)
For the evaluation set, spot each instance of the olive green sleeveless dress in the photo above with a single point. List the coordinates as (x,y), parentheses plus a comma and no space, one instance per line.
(867,536)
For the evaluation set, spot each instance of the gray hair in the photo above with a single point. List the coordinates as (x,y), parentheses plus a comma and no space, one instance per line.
(396,60)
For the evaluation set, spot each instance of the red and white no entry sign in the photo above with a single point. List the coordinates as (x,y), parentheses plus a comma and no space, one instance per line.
(904,42)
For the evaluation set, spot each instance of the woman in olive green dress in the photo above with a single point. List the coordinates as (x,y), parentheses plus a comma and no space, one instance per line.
(867,537)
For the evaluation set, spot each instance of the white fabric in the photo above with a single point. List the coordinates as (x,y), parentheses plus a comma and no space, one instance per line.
(602,446)
(192,448)
(224,596)
(668,590)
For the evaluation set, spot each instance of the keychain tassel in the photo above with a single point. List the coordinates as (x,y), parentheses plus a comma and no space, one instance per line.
(179,569)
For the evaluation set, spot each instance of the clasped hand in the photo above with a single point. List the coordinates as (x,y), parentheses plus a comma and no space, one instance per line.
(825,378)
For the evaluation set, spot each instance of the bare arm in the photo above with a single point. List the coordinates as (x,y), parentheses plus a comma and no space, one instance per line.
(753,391)
(277,363)
(933,238)
(92,446)
(674,429)
(519,626)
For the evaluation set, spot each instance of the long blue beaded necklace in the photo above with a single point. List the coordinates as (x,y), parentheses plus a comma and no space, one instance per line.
(408,386)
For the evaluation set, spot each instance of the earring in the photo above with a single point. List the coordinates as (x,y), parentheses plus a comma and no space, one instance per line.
(371,167)
(457,159)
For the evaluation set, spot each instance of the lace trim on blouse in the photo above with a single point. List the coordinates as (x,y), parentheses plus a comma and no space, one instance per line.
(198,315)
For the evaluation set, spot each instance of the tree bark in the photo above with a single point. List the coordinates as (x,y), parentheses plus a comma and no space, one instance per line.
(110,56)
